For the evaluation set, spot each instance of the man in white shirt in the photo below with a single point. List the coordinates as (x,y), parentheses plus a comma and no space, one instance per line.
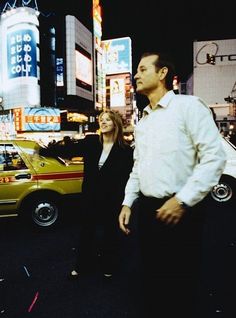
(178,159)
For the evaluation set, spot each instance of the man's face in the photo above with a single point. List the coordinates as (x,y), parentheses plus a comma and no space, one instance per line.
(147,78)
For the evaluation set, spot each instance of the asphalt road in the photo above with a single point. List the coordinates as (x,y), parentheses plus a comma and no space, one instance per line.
(34,264)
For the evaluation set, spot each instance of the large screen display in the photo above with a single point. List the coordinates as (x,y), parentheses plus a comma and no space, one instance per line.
(84,69)
(79,59)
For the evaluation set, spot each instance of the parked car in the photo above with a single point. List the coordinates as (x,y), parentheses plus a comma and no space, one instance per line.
(34,185)
(223,193)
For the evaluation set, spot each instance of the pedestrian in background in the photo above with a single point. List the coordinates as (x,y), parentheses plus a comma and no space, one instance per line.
(108,160)
(178,158)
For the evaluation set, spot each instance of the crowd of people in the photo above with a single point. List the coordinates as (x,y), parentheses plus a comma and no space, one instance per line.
(176,159)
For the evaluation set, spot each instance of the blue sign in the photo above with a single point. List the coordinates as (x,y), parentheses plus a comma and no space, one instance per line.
(59,71)
(21,53)
(117,56)
(42,119)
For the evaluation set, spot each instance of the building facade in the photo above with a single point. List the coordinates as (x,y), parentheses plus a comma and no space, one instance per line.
(56,73)
(214,79)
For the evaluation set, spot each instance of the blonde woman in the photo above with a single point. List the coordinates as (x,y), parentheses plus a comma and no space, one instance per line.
(108,161)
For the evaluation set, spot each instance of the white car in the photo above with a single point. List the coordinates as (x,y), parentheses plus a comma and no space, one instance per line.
(224,191)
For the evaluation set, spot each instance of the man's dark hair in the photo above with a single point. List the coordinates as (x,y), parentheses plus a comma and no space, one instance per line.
(163,60)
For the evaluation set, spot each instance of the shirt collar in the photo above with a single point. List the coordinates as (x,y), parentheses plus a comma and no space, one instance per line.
(163,102)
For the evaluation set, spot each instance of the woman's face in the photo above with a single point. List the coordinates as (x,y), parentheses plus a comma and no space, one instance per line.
(106,124)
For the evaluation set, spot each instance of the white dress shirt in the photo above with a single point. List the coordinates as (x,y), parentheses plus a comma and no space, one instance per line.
(178,149)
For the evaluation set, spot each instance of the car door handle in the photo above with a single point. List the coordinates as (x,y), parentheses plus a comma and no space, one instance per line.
(23,176)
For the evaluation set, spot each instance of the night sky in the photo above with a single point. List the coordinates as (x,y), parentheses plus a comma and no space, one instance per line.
(157,25)
(172,27)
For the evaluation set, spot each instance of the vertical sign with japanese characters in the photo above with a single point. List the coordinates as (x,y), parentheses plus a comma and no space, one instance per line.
(59,71)
(21,53)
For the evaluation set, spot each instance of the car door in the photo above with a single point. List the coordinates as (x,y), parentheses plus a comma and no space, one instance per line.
(15,178)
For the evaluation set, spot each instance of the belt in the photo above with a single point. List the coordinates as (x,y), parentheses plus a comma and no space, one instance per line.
(152,201)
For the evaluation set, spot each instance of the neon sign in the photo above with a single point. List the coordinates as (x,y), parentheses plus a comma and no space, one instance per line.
(21,52)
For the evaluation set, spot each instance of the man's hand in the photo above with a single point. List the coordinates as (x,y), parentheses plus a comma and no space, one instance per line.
(170,212)
(124,219)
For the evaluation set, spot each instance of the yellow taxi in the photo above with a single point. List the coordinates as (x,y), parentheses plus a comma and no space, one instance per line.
(35,185)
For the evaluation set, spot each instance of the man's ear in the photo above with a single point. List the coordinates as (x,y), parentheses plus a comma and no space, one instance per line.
(163,71)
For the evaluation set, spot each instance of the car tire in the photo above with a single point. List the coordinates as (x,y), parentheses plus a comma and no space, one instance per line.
(224,191)
(42,210)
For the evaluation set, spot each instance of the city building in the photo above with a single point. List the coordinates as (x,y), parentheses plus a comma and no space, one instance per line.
(214,80)
(52,74)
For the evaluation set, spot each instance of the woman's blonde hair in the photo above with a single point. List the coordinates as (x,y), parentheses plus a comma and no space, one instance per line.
(118,126)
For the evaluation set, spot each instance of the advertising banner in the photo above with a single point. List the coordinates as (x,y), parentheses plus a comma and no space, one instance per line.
(60,71)
(21,54)
(117,56)
(6,125)
(37,119)
(117,92)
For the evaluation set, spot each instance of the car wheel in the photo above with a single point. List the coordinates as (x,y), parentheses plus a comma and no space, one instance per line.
(224,191)
(43,209)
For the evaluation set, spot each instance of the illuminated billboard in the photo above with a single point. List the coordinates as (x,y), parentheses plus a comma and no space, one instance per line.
(21,54)
(37,119)
(79,61)
(83,69)
(7,125)
(20,58)
(97,19)
(117,92)
(117,56)
(119,95)
(59,71)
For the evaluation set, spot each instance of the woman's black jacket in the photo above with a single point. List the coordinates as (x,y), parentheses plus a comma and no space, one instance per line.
(105,186)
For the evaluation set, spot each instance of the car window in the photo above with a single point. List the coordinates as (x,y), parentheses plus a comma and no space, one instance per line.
(10,159)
